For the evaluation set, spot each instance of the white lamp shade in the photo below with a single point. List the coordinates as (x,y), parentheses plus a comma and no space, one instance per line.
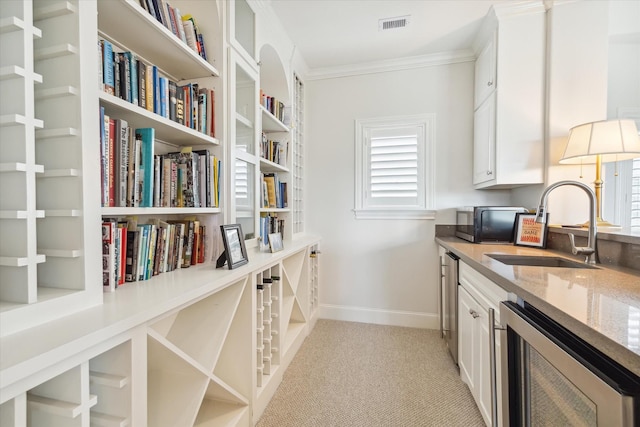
(613,140)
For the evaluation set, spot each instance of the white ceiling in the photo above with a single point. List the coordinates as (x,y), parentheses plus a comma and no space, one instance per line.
(339,33)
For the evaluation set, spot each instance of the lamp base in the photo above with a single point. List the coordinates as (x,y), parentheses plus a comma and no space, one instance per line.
(601,223)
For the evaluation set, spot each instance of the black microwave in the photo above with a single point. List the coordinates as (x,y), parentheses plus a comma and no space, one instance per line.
(487,224)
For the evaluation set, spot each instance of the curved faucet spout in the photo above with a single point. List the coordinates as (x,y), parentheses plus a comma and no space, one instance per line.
(590,250)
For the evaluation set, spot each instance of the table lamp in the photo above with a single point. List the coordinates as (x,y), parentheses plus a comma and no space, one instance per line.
(602,141)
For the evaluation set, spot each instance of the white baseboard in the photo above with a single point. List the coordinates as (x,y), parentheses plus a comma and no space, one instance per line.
(379,317)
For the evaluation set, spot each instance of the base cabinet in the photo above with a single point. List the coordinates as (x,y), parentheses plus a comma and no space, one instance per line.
(476,296)
(167,353)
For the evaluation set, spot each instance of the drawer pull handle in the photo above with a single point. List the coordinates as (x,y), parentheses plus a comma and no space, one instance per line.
(474,313)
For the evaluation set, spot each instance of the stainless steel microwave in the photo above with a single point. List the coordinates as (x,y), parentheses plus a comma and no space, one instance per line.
(487,224)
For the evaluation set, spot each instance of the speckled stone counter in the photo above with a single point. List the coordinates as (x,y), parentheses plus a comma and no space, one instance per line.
(602,306)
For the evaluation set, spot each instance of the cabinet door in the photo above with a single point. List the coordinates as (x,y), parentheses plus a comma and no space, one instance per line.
(484,141)
(485,71)
(467,359)
(483,386)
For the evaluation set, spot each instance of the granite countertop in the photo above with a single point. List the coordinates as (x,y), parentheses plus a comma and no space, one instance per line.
(601,306)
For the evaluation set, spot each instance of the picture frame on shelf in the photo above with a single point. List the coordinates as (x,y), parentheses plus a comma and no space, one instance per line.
(235,252)
(275,242)
(527,232)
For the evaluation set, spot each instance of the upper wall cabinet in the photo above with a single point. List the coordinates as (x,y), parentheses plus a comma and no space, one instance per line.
(510,73)
(485,71)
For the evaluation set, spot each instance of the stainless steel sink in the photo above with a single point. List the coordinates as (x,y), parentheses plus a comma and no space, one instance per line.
(538,261)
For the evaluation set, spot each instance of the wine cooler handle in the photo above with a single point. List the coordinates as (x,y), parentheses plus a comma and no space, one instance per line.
(440,293)
(492,363)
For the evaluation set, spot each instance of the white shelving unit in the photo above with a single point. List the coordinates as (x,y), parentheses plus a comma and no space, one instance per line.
(283,319)
(273,83)
(177,349)
(48,263)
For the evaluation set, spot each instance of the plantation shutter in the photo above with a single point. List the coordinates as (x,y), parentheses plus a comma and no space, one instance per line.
(394,167)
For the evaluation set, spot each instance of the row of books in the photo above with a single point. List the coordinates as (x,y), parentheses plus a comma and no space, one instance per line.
(134,252)
(270,223)
(134,176)
(274,151)
(275,107)
(274,191)
(127,77)
(183,27)
(189,178)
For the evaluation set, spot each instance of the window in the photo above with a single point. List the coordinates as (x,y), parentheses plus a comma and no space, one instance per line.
(621,191)
(621,203)
(394,167)
(298,156)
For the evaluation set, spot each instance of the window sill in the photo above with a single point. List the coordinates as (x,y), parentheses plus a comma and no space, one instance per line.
(394,214)
(613,234)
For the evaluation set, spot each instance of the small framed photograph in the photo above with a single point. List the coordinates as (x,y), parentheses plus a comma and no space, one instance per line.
(235,253)
(527,232)
(275,242)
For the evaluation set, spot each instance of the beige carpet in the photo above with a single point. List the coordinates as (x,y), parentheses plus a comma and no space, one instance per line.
(357,374)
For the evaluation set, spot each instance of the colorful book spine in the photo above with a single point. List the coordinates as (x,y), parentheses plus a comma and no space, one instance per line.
(164,96)
(108,256)
(149,87)
(107,67)
(133,73)
(141,71)
(147,137)
(112,163)
(104,161)
(156,90)
(122,162)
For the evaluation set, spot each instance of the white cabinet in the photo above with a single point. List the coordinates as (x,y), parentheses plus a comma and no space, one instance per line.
(484,141)
(509,97)
(485,71)
(167,353)
(476,296)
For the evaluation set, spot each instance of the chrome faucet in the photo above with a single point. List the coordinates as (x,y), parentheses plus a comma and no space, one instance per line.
(589,251)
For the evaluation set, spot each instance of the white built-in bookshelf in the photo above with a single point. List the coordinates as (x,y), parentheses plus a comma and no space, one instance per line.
(48,258)
(195,346)
(275,149)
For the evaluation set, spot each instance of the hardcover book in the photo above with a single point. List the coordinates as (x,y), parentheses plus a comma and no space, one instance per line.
(112,162)
(108,256)
(107,67)
(131,267)
(143,250)
(173,88)
(142,83)
(149,88)
(179,105)
(121,252)
(133,77)
(122,162)
(164,101)
(104,156)
(147,137)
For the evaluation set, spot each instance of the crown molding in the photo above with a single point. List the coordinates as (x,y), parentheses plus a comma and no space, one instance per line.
(407,63)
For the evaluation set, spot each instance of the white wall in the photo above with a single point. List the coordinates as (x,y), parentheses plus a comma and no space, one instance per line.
(577,43)
(385,271)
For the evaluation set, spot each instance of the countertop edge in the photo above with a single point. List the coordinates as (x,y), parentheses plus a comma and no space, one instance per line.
(606,345)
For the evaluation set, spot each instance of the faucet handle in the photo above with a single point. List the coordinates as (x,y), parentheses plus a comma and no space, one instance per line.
(583,250)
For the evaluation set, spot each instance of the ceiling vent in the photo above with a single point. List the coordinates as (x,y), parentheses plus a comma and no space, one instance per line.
(393,23)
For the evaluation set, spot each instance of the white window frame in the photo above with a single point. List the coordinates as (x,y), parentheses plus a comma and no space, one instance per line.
(423,207)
